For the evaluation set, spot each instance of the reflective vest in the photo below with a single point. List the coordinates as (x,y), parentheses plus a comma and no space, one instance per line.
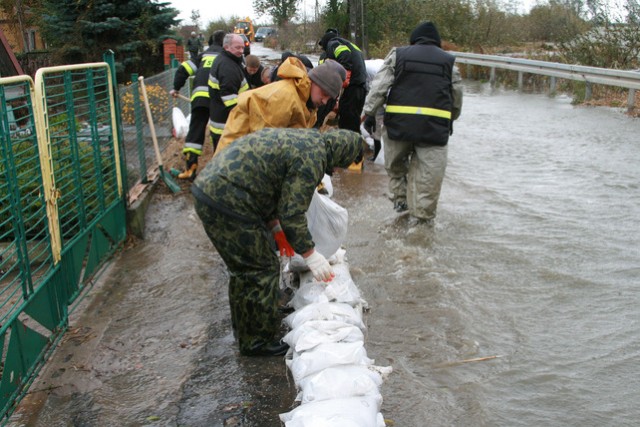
(420,101)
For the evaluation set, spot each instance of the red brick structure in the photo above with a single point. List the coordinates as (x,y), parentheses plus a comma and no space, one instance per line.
(171,47)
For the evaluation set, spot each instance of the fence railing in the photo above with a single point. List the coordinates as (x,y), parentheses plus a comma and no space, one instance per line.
(62,208)
(589,75)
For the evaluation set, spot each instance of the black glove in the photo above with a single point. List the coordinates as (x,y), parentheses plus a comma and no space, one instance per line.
(370,125)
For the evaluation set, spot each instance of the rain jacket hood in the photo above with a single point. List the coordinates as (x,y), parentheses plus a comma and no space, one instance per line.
(293,68)
(343,147)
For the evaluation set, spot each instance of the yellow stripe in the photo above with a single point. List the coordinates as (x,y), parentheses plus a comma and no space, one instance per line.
(216,130)
(231,102)
(192,150)
(213,85)
(200,93)
(400,109)
(341,49)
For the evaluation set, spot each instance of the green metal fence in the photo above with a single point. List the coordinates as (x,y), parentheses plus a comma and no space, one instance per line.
(141,159)
(62,207)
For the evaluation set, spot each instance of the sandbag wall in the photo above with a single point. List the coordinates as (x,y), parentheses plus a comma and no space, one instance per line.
(338,385)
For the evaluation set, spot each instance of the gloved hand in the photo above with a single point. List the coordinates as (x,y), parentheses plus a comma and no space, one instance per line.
(281,240)
(347,80)
(370,125)
(319,267)
(174,93)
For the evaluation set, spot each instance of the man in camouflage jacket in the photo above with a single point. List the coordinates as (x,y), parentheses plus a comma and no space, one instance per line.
(264,182)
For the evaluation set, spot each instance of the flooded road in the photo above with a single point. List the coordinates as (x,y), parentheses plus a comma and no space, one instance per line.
(531,270)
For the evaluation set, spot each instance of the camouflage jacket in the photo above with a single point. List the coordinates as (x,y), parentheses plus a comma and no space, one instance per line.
(272,173)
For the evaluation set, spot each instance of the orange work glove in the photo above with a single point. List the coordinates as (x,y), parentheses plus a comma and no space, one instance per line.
(347,80)
(281,240)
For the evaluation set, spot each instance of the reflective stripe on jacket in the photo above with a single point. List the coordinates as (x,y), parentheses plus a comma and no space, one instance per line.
(350,57)
(226,81)
(420,101)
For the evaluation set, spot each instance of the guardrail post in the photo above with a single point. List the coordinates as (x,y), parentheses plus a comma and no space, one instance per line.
(492,77)
(552,86)
(587,91)
(631,100)
(520,79)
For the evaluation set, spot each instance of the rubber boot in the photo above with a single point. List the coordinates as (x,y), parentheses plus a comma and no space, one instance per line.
(191,169)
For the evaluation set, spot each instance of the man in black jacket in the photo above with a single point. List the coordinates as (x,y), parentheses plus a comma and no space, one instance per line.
(350,57)
(200,67)
(226,81)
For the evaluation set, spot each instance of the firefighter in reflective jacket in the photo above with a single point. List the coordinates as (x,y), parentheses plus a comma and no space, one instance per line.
(350,57)
(226,81)
(421,88)
(200,67)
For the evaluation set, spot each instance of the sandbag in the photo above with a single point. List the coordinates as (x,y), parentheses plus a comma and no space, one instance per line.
(327,223)
(327,355)
(354,411)
(338,382)
(180,123)
(315,332)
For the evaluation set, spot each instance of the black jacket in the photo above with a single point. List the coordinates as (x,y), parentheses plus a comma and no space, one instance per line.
(350,57)
(200,68)
(420,102)
(226,81)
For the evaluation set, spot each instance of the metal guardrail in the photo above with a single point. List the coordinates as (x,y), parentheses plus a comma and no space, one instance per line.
(589,75)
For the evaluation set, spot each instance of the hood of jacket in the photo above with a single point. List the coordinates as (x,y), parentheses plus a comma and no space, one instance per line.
(293,69)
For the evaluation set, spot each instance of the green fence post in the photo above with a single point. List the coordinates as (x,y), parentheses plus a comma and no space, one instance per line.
(109,58)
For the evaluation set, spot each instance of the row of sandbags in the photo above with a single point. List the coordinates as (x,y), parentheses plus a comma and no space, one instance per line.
(338,385)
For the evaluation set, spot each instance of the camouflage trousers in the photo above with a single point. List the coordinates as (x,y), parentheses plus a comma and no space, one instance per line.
(254,271)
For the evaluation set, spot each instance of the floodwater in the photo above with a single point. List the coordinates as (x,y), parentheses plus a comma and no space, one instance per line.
(534,258)
(518,308)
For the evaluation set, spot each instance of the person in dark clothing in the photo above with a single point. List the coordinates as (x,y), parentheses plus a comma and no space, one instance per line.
(226,82)
(194,45)
(253,71)
(200,67)
(350,57)
(258,187)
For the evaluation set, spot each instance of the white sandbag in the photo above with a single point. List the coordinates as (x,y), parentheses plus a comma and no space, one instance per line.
(326,311)
(180,123)
(327,355)
(315,332)
(354,411)
(338,382)
(327,222)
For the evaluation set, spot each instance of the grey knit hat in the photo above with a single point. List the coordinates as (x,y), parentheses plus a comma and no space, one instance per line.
(329,76)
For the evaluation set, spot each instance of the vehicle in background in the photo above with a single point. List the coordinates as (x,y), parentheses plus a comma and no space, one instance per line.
(264,32)
(245,26)
(247,45)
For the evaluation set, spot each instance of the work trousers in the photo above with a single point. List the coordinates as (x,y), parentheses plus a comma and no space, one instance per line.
(254,275)
(350,107)
(415,174)
(197,129)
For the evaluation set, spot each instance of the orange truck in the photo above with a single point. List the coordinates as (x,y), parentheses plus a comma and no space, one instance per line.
(245,26)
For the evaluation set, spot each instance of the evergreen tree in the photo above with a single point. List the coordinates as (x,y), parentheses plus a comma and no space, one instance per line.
(82,30)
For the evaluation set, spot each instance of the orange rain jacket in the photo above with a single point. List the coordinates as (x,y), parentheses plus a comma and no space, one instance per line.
(281,104)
